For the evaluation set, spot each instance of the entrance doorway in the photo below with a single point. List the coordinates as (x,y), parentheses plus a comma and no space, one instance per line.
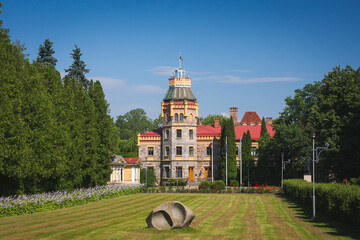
(191,174)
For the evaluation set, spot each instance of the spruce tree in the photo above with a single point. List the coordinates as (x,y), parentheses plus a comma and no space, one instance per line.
(46,52)
(222,167)
(78,68)
(247,158)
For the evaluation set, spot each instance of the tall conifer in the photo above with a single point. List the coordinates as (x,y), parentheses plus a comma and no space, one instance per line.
(78,68)
(45,53)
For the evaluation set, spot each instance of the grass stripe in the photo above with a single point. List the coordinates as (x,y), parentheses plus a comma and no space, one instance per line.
(268,230)
(285,216)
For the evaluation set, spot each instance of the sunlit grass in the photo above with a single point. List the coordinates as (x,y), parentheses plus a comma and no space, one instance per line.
(218,216)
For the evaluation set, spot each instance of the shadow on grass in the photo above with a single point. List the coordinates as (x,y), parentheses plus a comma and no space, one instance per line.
(304,212)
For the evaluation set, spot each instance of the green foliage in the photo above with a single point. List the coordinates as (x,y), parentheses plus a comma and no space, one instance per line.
(355,181)
(228,134)
(151,178)
(234,183)
(78,68)
(54,135)
(247,158)
(218,185)
(336,118)
(126,128)
(205,185)
(209,120)
(264,132)
(338,201)
(177,182)
(46,52)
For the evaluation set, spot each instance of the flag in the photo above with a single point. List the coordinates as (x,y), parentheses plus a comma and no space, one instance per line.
(181,58)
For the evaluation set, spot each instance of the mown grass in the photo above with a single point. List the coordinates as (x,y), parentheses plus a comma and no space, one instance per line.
(218,216)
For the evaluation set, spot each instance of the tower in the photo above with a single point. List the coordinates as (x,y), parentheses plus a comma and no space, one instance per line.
(179,110)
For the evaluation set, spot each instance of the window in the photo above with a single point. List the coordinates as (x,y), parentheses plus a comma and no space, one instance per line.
(191,151)
(191,133)
(191,117)
(176,117)
(207,172)
(179,172)
(237,151)
(178,133)
(208,151)
(253,151)
(167,172)
(167,151)
(150,151)
(167,134)
(179,151)
(181,117)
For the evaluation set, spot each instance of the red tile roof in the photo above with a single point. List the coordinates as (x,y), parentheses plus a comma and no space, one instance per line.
(251,118)
(154,133)
(131,160)
(208,130)
(255,131)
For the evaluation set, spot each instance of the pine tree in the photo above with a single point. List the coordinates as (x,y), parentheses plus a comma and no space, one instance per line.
(46,52)
(246,156)
(78,68)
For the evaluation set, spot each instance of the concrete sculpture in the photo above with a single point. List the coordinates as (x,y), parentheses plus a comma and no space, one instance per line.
(170,215)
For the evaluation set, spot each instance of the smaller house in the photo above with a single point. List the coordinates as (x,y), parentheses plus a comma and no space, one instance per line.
(125,170)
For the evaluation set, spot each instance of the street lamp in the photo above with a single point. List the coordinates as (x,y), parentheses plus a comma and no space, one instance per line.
(283,164)
(316,154)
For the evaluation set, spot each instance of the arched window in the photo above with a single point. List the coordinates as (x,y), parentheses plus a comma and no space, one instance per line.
(176,117)
(191,117)
(181,117)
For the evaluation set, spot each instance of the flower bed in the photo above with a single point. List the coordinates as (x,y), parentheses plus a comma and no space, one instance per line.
(25,204)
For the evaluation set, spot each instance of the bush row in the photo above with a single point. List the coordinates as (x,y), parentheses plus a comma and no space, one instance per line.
(27,204)
(339,201)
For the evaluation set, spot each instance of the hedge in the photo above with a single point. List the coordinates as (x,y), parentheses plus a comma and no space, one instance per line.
(339,201)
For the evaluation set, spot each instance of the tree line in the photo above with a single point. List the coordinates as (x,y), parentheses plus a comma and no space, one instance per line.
(326,111)
(55,134)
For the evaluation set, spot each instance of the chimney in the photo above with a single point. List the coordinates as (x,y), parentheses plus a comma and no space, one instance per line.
(216,122)
(268,120)
(200,121)
(234,114)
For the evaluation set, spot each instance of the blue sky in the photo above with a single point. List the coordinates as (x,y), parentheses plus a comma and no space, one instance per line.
(249,54)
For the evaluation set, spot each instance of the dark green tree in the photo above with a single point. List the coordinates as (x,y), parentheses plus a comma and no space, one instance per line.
(151,178)
(78,68)
(336,118)
(247,158)
(209,120)
(227,147)
(46,53)
(264,131)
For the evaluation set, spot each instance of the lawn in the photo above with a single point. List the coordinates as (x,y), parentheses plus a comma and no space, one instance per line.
(218,216)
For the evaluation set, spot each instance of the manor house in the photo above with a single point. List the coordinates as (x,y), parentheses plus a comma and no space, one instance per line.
(182,148)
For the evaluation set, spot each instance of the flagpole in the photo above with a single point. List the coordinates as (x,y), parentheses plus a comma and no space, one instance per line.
(179,60)
(212,160)
(226,163)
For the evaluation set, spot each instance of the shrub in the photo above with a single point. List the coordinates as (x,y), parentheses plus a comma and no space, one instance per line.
(177,182)
(339,201)
(234,183)
(218,185)
(205,185)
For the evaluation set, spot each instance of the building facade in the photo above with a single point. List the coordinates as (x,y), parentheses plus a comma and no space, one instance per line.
(184,148)
(125,170)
